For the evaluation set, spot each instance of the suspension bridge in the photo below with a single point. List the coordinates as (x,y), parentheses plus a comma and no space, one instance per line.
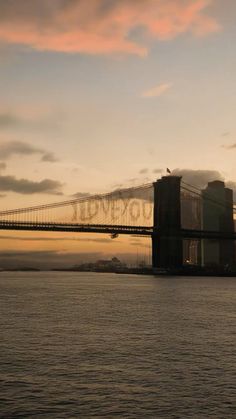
(168,211)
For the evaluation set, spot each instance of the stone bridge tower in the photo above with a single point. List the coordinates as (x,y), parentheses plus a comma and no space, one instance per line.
(167,248)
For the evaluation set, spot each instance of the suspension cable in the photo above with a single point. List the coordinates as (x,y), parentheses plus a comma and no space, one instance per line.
(76,200)
(207,197)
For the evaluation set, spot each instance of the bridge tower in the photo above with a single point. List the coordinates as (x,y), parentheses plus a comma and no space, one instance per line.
(167,248)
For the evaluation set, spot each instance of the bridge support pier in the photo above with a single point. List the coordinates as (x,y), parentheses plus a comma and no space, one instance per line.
(167,247)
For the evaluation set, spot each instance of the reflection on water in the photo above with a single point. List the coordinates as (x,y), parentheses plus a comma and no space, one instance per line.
(95,345)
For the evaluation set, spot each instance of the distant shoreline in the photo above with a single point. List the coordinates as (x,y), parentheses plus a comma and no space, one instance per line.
(136,271)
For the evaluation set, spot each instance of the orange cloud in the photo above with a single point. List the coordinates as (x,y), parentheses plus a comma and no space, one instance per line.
(100,27)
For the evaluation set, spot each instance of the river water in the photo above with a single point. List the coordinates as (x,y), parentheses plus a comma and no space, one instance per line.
(106,346)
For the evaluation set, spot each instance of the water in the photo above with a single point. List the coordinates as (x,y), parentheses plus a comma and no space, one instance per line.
(106,346)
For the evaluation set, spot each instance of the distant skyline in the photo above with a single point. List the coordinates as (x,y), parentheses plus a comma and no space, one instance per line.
(102,94)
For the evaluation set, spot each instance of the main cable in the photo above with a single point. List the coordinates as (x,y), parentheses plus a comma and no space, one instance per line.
(208,198)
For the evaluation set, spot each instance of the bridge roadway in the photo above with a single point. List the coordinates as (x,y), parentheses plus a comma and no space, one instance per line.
(113,230)
(76,228)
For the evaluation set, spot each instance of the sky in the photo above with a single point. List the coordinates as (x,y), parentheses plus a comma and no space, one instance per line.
(102,94)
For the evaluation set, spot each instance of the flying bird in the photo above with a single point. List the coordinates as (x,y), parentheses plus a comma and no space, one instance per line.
(168,170)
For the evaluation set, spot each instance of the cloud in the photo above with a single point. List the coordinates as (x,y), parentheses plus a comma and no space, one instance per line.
(7,119)
(139,244)
(198,178)
(157,90)
(11,148)
(123,192)
(157,171)
(48,156)
(25,186)
(59,239)
(31,118)
(143,171)
(230,146)
(2,166)
(144,194)
(101,26)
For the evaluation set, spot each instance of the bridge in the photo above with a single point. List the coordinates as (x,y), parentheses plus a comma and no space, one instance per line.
(171,212)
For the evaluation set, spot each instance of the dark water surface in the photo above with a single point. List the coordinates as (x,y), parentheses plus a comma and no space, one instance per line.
(102,345)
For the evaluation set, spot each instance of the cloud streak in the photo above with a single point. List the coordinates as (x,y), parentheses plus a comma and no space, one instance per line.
(157,91)
(26,187)
(59,239)
(11,148)
(143,171)
(101,26)
(8,119)
(230,146)
(30,118)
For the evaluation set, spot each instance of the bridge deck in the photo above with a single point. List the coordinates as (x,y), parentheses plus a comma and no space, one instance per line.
(112,229)
(76,228)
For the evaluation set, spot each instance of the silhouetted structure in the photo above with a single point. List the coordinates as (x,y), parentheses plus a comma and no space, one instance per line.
(167,249)
(218,216)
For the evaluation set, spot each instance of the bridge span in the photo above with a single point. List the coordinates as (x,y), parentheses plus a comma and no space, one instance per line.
(78,228)
(142,231)
(167,211)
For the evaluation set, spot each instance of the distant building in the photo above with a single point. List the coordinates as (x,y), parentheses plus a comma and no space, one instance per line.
(217,215)
(103,265)
(113,263)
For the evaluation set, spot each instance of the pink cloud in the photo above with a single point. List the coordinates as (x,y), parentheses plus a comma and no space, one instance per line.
(91,27)
(157,91)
